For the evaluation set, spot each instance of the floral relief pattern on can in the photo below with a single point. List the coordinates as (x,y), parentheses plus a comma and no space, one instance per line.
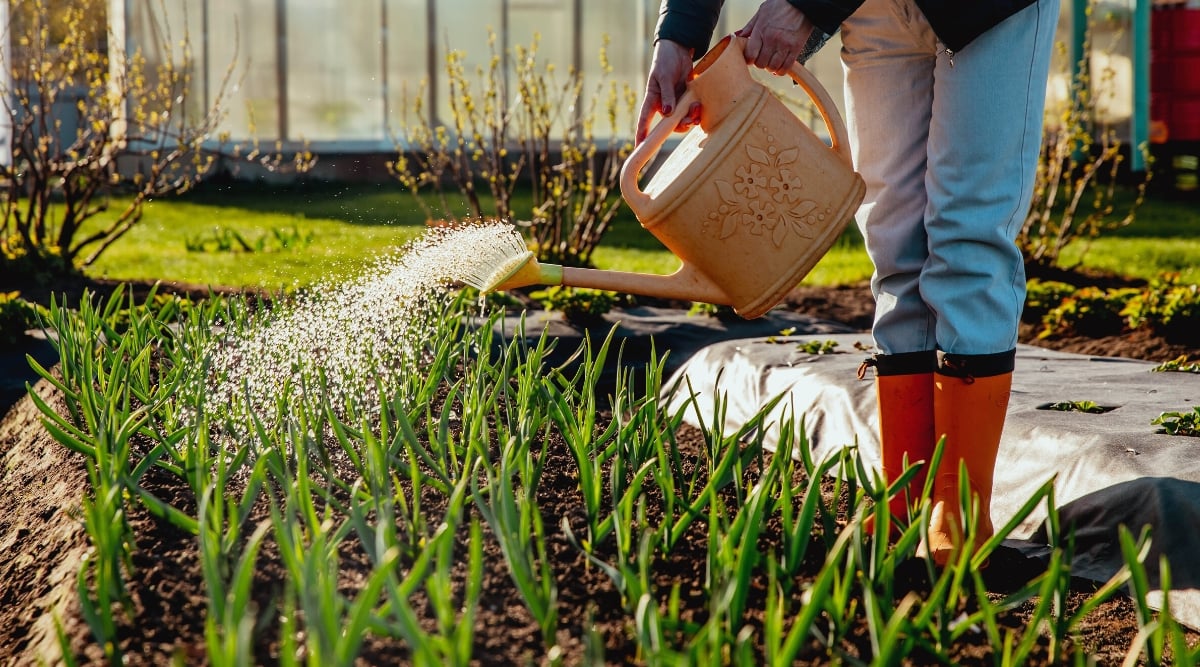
(765,197)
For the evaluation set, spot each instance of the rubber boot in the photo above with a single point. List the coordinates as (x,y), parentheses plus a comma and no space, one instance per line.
(904,393)
(970,403)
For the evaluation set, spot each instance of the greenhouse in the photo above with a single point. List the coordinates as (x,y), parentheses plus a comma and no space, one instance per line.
(342,76)
(349,77)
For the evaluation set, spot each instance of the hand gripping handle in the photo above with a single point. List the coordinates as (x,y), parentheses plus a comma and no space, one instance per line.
(644,152)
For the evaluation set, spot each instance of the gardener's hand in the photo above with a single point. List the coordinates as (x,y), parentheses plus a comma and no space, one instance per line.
(669,72)
(775,36)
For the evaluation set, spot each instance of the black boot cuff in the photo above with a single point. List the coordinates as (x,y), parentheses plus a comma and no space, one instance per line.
(976,365)
(905,363)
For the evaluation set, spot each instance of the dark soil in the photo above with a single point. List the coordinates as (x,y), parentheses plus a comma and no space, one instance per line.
(42,542)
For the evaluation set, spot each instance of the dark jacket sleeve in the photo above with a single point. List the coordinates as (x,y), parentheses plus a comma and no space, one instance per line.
(826,14)
(688,22)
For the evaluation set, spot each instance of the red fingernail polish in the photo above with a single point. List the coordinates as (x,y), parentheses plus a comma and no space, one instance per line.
(667,110)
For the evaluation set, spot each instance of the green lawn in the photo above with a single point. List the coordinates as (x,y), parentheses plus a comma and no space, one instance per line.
(348,225)
(346,230)
(1164,237)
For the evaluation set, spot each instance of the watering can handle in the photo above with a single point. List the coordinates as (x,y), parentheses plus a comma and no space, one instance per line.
(645,151)
(825,107)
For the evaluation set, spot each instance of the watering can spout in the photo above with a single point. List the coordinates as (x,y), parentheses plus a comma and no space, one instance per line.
(686,284)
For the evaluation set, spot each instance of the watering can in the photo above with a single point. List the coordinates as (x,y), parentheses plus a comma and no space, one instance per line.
(749,200)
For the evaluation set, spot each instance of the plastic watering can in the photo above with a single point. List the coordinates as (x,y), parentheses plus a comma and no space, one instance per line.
(749,200)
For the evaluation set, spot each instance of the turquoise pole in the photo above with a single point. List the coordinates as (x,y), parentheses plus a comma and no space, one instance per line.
(1139,121)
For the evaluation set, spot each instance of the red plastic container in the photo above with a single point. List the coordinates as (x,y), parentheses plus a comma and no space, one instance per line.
(1175,70)
(1185,34)
(1184,122)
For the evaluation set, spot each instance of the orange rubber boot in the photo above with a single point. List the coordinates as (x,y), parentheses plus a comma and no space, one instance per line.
(969,412)
(904,393)
(905,432)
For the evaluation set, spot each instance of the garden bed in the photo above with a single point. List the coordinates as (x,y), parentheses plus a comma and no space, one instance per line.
(169,603)
(44,542)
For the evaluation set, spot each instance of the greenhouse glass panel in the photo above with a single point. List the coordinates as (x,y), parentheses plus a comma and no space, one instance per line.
(548,25)
(157,31)
(624,30)
(407,63)
(466,26)
(242,41)
(335,70)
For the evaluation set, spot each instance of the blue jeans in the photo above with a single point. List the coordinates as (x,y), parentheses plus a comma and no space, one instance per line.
(948,145)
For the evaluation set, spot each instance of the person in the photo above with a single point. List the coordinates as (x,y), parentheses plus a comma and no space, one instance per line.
(944,105)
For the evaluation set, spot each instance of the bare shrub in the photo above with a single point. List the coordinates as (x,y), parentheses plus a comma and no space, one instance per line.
(524,127)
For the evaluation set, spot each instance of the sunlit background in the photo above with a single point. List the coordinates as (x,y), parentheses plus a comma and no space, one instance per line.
(346,76)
